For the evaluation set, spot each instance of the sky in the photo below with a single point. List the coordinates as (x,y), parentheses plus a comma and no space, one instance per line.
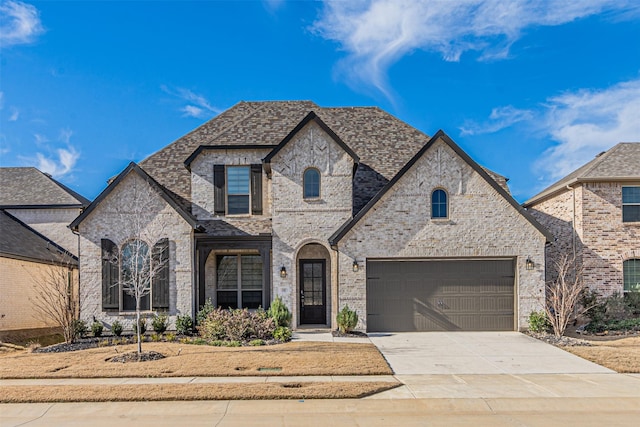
(531,89)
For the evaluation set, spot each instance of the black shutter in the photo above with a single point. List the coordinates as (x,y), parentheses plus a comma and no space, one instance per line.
(160,280)
(110,288)
(256,189)
(218,192)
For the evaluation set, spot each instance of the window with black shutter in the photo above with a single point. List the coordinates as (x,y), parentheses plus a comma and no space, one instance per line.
(160,281)
(110,288)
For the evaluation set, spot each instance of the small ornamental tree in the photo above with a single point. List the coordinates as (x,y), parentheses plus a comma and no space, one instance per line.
(563,293)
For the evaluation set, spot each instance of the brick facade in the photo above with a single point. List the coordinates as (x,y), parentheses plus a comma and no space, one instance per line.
(601,241)
(52,223)
(481,223)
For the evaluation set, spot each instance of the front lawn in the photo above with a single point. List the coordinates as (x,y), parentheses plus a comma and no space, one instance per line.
(621,355)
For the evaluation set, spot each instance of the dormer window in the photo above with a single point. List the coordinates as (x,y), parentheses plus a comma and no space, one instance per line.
(439,205)
(311,183)
(237,189)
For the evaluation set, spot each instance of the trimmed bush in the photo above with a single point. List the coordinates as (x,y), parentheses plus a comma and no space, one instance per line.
(204,312)
(116,328)
(159,323)
(282,334)
(184,325)
(80,328)
(236,325)
(96,329)
(347,319)
(143,326)
(539,322)
(279,313)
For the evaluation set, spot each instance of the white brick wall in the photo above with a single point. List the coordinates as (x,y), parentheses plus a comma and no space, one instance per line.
(52,223)
(115,219)
(481,224)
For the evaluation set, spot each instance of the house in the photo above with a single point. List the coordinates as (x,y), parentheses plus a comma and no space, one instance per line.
(594,213)
(35,245)
(322,207)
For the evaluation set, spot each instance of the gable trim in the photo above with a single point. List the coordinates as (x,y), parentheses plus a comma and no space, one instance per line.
(347,226)
(312,116)
(200,149)
(133,167)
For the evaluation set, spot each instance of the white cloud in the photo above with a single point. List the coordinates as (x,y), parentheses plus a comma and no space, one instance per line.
(197,105)
(15,114)
(500,118)
(273,5)
(587,122)
(377,33)
(60,166)
(20,23)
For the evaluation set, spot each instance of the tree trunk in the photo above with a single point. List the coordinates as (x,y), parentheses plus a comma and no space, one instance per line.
(138,325)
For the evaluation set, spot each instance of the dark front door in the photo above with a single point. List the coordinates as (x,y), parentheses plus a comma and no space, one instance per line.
(312,291)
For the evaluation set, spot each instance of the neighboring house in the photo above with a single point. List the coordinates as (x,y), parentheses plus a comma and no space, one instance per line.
(43,203)
(594,213)
(323,207)
(35,213)
(28,261)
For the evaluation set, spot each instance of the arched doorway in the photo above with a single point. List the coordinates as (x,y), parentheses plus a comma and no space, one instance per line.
(314,285)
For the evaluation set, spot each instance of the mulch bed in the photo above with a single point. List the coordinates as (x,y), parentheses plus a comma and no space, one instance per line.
(563,341)
(352,334)
(133,356)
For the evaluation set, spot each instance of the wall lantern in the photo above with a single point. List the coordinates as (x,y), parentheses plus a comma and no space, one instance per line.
(356,267)
(530,264)
(283,272)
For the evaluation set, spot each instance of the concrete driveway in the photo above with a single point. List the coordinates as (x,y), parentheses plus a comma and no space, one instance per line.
(424,353)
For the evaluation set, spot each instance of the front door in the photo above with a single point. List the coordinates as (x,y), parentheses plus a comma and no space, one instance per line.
(312,291)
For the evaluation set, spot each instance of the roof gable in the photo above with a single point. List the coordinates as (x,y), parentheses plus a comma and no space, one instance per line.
(134,168)
(20,241)
(311,117)
(346,227)
(24,187)
(620,163)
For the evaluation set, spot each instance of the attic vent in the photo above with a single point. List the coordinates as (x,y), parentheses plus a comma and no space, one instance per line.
(598,155)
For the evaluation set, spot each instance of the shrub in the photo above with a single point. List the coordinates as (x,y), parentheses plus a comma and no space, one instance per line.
(80,328)
(116,328)
(593,305)
(233,343)
(199,341)
(256,343)
(184,325)
(156,337)
(539,322)
(204,312)
(217,343)
(96,328)
(170,337)
(236,325)
(347,319)
(279,313)
(143,326)
(282,334)
(212,327)
(632,299)
(616,308)
(159,323)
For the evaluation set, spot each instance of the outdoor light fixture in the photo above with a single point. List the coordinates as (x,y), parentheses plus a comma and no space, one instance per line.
(355,266)
(530,264)
(283,272)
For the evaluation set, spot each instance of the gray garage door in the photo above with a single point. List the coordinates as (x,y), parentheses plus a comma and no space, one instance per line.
(440,295)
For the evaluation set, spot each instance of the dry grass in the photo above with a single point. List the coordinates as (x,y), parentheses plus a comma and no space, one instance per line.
(621,355)
(146,392)
(184,360)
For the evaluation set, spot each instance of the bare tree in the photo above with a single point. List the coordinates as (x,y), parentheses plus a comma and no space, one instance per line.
(563,293)
(144,252)
(55,299)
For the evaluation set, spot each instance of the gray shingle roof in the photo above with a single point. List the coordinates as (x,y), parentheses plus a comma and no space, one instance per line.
(29,187)
(619,163)
(18,240)
(383,143)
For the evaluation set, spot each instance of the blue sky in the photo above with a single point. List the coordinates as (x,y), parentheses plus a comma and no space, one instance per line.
(531,89)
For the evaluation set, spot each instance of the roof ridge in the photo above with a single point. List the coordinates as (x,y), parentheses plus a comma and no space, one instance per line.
(598,160)
(83,200)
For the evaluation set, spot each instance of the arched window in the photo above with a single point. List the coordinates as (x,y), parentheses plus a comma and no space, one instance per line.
(311,183)
(631,274)
(135,274)
(439,207)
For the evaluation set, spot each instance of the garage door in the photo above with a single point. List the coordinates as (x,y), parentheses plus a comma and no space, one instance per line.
(440,295)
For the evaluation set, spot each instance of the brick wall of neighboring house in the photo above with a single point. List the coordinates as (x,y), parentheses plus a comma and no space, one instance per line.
(602,240)
(112,219)
(202,190)
(481,224)
(607,240)
(20,283)
(298,222)
(52,223)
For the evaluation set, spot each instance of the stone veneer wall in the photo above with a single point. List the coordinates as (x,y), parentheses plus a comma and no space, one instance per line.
(296,221)
(52,223)
(202,190)
(481,224)
(113,219)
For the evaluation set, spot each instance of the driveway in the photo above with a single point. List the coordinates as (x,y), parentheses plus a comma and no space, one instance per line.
(425,353)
